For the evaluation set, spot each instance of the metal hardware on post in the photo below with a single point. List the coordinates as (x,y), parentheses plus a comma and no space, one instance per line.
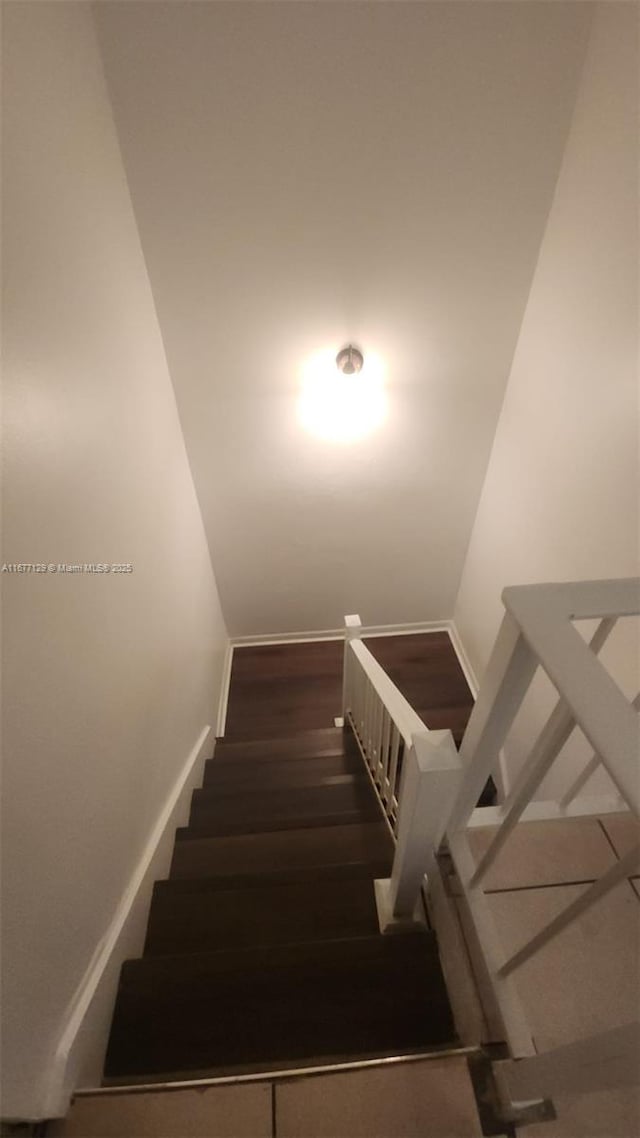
(430,781)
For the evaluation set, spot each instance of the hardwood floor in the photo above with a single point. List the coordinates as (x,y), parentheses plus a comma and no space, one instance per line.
(426,670)
(281,689)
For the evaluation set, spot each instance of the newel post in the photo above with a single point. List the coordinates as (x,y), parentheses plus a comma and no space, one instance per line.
(431,778)
(352,630)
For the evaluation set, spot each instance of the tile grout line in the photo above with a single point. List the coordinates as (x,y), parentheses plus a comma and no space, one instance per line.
(545,885)
(617,855)
(608,837)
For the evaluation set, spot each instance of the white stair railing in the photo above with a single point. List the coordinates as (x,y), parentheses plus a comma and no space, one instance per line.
(429,794)
(416,773)
(537,631)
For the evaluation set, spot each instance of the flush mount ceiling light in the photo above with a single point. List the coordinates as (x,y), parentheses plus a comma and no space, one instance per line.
(349,360)
(342,397)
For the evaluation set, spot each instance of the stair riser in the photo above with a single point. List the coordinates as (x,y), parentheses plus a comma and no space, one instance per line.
(204,827)
(269,916)
(249,775)
(310,877)
(263,853)
(300,802)
(313,744)
(349,791)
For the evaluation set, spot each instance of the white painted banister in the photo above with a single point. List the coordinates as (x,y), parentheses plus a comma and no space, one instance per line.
(406,719)
(430,781)
(507,679)
(544,613)
(547,747)
(391,736)
(594,762)
(430,795)
(538,630)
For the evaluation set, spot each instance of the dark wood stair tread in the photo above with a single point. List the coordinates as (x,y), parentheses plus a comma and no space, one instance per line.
(274,771)
(272,1005)
(295,874)
(260,915)
(249,853)
(290,808)
(204,827)
(348,791)
(306,744)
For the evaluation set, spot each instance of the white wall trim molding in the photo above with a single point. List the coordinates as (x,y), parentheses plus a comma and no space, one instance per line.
(463,659)
(501,777)
(286,638)
(225,683)
(59,1082)
(338,633)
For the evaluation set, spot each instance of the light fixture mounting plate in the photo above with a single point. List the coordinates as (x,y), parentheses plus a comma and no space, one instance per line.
(349,360)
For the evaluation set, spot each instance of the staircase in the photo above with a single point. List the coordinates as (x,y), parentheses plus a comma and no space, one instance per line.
(263,951)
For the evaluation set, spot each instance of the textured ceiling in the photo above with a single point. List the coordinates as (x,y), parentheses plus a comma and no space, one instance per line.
(308,173)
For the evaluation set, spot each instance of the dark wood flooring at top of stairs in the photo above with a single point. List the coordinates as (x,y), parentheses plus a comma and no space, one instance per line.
(262,949)
(281,689)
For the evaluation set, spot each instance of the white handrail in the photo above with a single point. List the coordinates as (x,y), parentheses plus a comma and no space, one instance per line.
(544,614)
(400,710)
(582,779)
(440,789)
(537,630)
(391,734)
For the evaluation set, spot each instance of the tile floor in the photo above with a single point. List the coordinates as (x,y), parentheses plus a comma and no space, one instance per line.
(585,980)
(432,1099)
(546,853)
(243,1111)
(424,1099)
(588,978)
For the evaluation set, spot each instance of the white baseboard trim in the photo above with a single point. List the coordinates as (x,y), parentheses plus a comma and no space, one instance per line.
(463,659)
(338,633)
(406,629)
(223,702)
(60,1079)
(286,638)
(501,777)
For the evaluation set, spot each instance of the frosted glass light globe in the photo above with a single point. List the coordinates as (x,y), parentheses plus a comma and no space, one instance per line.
(341,408)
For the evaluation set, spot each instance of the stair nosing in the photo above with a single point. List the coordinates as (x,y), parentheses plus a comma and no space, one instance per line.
(437,1051)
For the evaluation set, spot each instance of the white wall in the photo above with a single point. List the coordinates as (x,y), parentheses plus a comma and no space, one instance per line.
(560,499)
(308,174)
(109,680)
